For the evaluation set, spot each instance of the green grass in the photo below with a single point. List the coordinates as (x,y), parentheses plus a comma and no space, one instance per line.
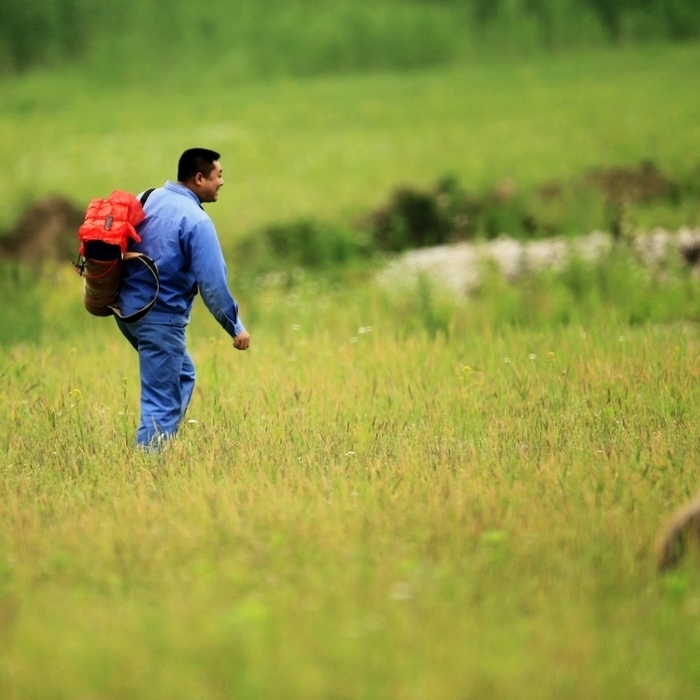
(360,509)
(389,495)
(332,148)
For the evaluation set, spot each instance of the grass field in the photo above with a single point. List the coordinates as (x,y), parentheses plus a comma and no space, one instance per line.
(387,496)
(359,510)
(333,147)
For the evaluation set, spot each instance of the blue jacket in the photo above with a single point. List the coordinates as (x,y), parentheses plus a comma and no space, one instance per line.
(180,237)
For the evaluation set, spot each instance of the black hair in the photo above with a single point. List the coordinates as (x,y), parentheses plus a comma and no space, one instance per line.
(196,160)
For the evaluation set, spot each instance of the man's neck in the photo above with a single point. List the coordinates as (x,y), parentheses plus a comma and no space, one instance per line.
(190,187)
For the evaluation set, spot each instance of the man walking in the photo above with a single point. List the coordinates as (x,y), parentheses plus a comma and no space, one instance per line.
(180,237)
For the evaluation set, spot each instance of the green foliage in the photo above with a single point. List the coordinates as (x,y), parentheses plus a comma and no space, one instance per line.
(619,285)
(610,199)
(21,304)
(246,39)
(558,22)
(414,218)
(249,39)
(41,32)
(304,243)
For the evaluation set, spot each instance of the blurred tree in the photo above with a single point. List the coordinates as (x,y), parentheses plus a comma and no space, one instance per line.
(296,37)
(682,18)
(39,32)
(609,13)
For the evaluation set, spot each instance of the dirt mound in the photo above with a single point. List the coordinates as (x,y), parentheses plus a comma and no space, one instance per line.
(47,229)
(639,183)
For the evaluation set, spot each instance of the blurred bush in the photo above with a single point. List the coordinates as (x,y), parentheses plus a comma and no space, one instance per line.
(245,38)
(414,218)
(561,22)
(608,199)
(250,39)
(618,200)
(303,243)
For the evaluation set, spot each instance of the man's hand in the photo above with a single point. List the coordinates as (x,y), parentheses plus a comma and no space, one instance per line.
(242,341)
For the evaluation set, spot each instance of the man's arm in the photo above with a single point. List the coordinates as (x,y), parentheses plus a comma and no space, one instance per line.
(209,268)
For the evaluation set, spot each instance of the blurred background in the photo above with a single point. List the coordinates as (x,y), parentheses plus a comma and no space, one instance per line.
(352,130)
(245,39)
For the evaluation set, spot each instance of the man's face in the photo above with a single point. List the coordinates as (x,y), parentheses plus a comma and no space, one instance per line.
(207,188)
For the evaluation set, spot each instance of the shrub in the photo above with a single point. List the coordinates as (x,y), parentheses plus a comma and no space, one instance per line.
(304,243)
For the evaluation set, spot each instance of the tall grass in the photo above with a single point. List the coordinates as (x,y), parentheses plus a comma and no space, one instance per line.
(362,505)
(389,495)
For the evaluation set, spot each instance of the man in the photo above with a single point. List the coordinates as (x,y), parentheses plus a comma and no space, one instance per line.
(180,237)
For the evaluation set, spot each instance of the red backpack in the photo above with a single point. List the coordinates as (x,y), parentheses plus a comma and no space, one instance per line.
(109,227)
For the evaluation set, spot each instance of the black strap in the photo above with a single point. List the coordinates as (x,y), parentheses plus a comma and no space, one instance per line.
(153,269)
(146,195)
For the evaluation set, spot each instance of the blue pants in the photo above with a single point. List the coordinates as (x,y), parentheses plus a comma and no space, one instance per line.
(167,378)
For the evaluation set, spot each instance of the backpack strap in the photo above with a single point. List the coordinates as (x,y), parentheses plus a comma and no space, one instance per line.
(146,195)
(152,268)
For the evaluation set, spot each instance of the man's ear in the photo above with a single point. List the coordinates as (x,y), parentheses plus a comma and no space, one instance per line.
(198,179)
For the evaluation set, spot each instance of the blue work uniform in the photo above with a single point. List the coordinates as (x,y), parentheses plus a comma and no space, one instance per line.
(180,237)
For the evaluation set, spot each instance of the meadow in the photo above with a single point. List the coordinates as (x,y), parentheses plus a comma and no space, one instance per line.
(333,147)
(359,506)
(390,495)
